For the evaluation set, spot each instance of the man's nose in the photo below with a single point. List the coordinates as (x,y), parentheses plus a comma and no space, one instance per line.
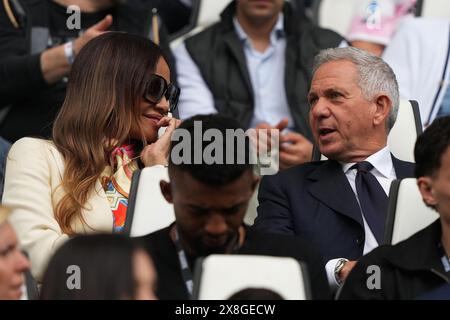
(216,224)
(320,109)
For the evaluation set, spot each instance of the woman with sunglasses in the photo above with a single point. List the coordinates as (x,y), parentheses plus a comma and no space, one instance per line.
(118,97)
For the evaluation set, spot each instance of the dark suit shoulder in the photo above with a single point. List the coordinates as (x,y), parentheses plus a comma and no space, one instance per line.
(295,173)
(403,169)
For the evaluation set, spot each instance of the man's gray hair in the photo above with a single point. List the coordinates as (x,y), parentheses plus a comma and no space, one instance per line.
(375,75)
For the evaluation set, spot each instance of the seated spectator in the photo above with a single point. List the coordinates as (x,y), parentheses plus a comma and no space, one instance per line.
(210,201)
(39,40)
(99,267)
(255,66)
(421,263)
(256,294)
(340,204)
(419,56)
(13,263)
(108,127)
(375,22)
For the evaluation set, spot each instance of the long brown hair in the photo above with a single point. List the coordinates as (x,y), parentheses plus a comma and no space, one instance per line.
(106,83)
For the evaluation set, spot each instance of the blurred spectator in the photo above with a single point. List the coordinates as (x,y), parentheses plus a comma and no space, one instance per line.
(106,129)
(99,267)
(255,66)
(210,201)
(13,263)
(419,54)
(421,263)
(176,14)
(38,42)
(375,22)
(256,294)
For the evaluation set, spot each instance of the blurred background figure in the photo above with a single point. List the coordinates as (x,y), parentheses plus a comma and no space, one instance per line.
(107,128)
(255,65)
(176,14)
(375,22)
(38,43)
(100,267)
(13,263)
(419,54)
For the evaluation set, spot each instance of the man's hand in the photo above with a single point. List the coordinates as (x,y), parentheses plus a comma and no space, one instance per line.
(265,128)
(94,31)
(54,64)
(294,149)
(348,266)
(158,151)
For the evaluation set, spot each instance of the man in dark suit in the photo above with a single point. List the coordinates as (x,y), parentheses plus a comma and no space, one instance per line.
(340,204)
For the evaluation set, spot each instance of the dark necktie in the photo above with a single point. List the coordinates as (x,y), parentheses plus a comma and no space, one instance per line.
(372,199)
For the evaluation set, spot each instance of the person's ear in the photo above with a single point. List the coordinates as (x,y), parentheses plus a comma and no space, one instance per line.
(383,107)
(255,183)
(425,185)
(166,190)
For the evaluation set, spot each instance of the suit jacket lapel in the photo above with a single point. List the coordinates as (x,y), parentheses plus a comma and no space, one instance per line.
(331,187)
(402,169)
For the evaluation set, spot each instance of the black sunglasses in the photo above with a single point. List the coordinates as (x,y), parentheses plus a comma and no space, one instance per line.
(157,88)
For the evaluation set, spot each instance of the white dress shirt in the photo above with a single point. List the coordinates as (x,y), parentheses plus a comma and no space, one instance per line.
(384,172)
(266,70)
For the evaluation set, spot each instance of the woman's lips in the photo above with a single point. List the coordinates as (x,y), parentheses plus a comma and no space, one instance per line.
(153,117)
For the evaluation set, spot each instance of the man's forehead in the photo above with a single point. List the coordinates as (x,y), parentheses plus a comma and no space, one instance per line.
(334,76)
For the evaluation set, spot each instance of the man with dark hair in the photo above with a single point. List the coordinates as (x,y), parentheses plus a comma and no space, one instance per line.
(210,201)
(420,264)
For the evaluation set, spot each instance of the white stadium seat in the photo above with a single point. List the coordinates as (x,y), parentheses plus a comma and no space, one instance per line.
(218,277)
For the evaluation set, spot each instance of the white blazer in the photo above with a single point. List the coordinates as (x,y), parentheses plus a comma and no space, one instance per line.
(418,55)
(34,170)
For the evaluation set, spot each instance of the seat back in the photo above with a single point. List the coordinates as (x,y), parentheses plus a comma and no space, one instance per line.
(407,213)
(205,13)
(407,127)
(218,277)
(438,9)
(403,135)
(148,210)
(334,14)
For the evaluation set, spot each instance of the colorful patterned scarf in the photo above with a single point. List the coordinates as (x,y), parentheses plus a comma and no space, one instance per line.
(117,182)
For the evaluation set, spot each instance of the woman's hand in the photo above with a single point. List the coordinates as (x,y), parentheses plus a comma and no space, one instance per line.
(158,151)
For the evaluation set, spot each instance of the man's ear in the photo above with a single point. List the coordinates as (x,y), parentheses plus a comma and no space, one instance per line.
(166,190)
(383,108)
(255,183)
(425,185)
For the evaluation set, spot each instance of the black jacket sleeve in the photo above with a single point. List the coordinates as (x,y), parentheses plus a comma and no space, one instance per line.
(20,72)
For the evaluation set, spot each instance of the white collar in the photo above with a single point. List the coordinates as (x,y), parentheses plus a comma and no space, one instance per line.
(381,161)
